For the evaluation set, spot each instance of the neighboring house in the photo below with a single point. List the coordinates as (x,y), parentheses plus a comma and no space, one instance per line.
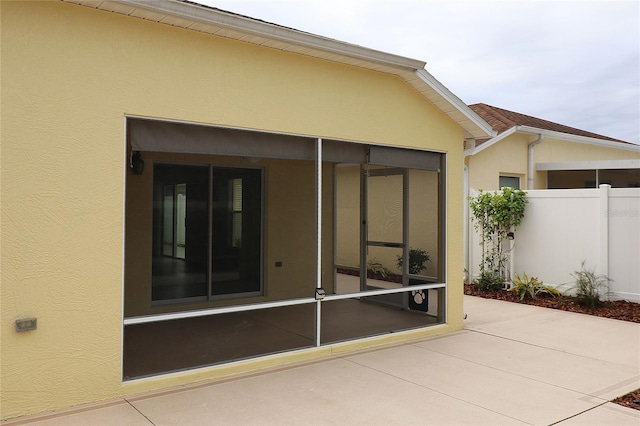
(531,153)
(176,180)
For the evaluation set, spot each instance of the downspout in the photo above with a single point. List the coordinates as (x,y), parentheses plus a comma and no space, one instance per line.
(530,168)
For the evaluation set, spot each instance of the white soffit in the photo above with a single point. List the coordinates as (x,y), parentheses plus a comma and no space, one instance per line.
(450,104)
(206,19)
(559,136)
(590,165)
(579,139)
(201,18)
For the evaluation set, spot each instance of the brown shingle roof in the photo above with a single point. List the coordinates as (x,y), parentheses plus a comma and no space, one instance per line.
(502,120)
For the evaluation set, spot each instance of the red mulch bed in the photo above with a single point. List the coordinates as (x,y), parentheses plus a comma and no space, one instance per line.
(631,400)
(616,309)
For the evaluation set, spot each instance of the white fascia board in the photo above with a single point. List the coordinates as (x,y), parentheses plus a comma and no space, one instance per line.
(579,139)
(556,135)
(493,141)
(456,102)
(202,14)
(590,165)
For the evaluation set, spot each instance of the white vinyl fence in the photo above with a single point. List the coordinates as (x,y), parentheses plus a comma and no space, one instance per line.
(564,227)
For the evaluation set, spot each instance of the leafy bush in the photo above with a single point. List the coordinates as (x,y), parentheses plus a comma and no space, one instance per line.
(531,287)
(418,259)
(489,281)
(495,215)
(589,287)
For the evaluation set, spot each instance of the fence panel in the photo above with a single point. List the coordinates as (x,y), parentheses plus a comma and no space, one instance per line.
(624,242)
(564,227)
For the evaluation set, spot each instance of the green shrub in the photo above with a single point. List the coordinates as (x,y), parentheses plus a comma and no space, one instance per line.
(531,287)
(489,281)
(495,215)
(418,259)
(589,287)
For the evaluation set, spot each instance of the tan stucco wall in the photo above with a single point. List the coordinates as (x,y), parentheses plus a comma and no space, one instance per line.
(70,74)
(509,157)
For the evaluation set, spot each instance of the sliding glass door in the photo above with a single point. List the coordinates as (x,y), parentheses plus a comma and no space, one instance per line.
(207,232)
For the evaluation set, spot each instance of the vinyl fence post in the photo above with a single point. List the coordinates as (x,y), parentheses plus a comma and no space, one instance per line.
(604,229)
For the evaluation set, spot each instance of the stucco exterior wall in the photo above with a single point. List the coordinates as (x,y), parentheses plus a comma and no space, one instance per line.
(508,157)
(70,75)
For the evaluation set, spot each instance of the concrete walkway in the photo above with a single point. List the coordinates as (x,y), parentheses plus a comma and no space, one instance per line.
(513,364)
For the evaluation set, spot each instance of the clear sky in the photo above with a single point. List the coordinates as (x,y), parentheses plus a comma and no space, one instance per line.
(573,62)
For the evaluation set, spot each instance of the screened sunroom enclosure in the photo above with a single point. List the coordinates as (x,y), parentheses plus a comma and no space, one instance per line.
(240,244)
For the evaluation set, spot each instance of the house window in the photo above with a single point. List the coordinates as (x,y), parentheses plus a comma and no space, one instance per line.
(207,232)
(510,182)
(236,213)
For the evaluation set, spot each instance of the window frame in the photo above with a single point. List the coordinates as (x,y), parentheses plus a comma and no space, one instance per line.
(508,176)
(210,296)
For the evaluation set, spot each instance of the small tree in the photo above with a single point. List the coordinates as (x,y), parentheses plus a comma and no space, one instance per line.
(495,214)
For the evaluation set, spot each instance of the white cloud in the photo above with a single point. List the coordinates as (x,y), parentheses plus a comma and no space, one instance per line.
(573,62)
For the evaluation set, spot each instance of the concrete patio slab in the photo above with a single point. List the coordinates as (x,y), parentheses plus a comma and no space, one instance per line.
(337,391)
(512,395)
(590,336)
(582,374)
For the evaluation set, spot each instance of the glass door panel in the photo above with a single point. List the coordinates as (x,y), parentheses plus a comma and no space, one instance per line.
(180,214)
(180,221)
(167,220)
(174,220)
(236,236)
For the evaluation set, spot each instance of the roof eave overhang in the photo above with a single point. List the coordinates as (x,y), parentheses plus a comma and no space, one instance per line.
(492,141)
(475,127)
(578,139)
(217,22)
(554,135)
(590,165)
